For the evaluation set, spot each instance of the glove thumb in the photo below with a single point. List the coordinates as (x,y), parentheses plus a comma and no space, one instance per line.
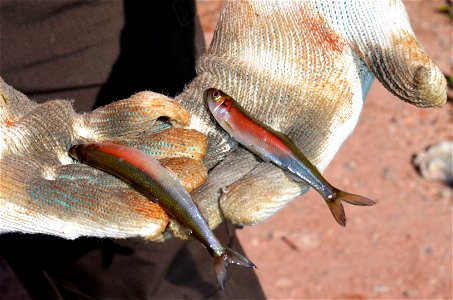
(381,34)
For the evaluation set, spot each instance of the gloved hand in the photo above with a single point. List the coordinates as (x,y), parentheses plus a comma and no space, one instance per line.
(43,190)
(303,68)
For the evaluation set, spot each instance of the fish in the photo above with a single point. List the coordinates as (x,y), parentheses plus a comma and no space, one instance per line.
(161,185)
(277,148)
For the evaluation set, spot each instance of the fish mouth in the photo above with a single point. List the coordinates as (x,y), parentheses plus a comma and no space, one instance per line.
(208,96)
(208,93)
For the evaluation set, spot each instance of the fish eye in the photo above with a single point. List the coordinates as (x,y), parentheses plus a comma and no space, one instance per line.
(216,94)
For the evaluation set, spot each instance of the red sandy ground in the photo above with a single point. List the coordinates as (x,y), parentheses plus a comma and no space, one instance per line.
(399,248)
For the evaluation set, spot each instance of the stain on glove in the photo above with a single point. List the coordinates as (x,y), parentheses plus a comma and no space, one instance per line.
(43,190)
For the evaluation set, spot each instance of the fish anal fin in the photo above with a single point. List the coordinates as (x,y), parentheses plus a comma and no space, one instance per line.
(221,270)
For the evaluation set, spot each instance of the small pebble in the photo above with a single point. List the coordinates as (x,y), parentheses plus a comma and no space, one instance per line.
(436,163)
(349,165)
(445,194)
(270,235)
(428,250)
(389,173)
(255,242)
(379,288)
(410,293)
(284,282)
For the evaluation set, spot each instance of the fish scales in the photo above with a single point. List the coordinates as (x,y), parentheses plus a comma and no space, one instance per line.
(161,185)
(275,147)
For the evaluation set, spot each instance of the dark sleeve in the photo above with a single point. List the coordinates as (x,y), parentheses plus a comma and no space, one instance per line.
(96,52)
(59,49)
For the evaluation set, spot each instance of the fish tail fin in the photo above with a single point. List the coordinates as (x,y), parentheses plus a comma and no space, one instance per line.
(337,210)
(222,261)
(335,206)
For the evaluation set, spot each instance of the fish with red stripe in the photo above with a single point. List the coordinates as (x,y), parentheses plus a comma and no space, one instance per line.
(275,147)
(153,180)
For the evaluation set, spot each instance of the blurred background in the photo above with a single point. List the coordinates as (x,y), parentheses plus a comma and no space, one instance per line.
(400,248)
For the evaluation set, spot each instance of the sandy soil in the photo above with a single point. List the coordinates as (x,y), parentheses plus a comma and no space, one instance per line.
(400,248)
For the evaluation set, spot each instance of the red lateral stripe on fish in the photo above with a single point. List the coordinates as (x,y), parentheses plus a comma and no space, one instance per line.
(277,148)
(153,180)
(128,154)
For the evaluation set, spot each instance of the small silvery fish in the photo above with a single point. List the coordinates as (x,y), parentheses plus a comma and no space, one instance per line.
(161,185)
(277,148)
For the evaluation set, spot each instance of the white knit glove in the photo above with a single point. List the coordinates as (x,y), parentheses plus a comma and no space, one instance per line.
(303,68)
(43,190)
